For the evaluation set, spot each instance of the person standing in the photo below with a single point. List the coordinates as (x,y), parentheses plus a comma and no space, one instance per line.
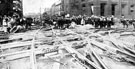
(83,21)
(5,25)
(1,21)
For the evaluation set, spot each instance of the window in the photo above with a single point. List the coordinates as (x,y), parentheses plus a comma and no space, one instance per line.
(132,6)
(132,10)
(113,9)
(102,8)
(83,0)
(83,5)
(123,5)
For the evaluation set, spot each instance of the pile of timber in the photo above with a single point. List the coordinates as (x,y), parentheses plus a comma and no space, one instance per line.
(86,50)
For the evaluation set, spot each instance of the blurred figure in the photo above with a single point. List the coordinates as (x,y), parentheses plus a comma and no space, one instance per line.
(5,23)
(83,21)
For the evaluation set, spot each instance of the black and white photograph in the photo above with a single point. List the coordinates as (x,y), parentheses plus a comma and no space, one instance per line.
(67,34)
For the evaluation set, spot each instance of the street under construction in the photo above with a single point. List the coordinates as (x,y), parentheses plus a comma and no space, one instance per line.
(81,47)
(71,34)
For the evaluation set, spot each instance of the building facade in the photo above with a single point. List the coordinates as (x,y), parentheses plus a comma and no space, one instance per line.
(11,7)
(100,7)
(56,8)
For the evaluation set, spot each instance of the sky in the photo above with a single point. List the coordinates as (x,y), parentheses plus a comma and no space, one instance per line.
(33,6)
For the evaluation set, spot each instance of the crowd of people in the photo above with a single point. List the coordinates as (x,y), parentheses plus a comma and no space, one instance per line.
(17,24)
(62,22)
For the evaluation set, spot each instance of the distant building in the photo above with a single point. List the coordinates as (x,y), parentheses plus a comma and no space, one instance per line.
(11,7)
(100,7)
(56,8)
(47,10)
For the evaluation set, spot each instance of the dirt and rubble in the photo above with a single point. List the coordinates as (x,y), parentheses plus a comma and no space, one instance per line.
(82,47)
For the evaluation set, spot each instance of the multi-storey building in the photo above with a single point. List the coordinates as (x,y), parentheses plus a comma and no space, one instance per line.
(11,7)
(100,7)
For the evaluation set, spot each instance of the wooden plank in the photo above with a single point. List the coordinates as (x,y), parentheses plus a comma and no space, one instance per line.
(80,56)
(100,60)
(96,56)
(32,55)
(129,50)
(23,54)
(4,37)
(15,45)
(116,43)
(101,45)
(10,40)
(2,32)
(121,45)
(91,55)
(19,55)
(14,53)
(84,65)
(15,57)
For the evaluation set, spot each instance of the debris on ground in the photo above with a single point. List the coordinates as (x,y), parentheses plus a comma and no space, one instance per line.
(81,47)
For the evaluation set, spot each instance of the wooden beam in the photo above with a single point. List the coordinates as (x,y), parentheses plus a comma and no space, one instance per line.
(15,53)
(96,56)
(104,46)
(4,37)
(80,56)
(32,55)
(32,52)
(10,40)
(121,45)
(71,50)
(19,55)
(15,45)
(23,54)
